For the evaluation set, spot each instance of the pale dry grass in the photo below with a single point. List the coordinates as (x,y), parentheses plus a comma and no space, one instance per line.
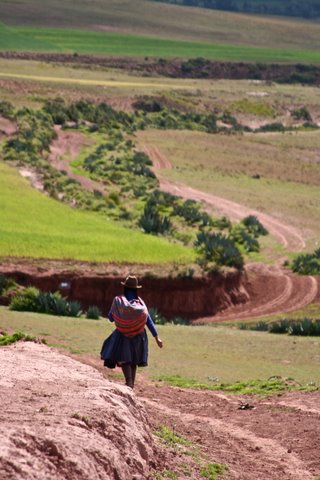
(204,353)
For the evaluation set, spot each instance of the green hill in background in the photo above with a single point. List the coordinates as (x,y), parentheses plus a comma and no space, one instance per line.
(34,225)
(161,20)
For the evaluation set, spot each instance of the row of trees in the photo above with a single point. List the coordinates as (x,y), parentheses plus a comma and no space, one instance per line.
(292,8)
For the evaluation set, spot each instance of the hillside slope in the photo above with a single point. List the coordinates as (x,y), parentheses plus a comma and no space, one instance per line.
(167,21)
(33,225)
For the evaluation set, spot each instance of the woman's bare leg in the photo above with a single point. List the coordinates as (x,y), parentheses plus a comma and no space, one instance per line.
(127,372)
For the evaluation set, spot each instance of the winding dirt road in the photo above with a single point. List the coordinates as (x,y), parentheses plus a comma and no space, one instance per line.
(272,289)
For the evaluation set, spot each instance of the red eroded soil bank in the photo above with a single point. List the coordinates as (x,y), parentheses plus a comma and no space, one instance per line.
(189,297)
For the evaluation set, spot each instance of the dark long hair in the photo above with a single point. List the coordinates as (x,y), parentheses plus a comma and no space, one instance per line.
(126,290)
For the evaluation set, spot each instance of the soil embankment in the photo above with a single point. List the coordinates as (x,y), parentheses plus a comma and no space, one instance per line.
(183,297)
(192,68)
(61,419)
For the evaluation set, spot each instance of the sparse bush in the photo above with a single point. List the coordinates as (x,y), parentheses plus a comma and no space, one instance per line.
(93,313)
(212,471)
(6,284)
(6,109)
(301,114)
(148,104)
(6,339)
(74,309)
(279,327)
(272,127)
(304,327)
(240,235)
(153,222)
(25,301)
(180,321)
(218,249)
(33,300)
(222,223)
(254,226)
(307,264)
(260,326)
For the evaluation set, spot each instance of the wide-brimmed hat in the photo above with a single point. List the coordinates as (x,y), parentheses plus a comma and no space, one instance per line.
(131,282)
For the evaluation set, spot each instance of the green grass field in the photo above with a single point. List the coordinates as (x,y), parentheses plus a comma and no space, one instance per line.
(33,225)
(144,17)
(205,353)
(287,163)
(117,44)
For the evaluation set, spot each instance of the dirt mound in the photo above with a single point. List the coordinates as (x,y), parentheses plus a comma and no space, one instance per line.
(7,127)
(62,419)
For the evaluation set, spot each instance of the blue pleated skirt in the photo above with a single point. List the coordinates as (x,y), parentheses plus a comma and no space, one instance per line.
(118,349)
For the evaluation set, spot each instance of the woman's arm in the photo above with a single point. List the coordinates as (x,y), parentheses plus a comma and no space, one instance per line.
(151,326)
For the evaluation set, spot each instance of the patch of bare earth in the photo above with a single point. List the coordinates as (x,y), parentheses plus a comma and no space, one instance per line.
(276,438)
(7,127)
(66,147)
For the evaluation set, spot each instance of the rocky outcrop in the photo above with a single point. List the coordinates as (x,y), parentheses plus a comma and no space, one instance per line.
(61,419)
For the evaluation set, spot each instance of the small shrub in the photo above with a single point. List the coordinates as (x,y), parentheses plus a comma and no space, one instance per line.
(301,114)
(222,223)
(6,339)
(240,235)
(93,313)
(281,326)
(307,264)
(32,300)
(170,437)
(258,327)
(6,109)
(180,321)
(272,127)
(254,226)
(218,249)
(6,284)
(304,327)
(153,222)
(74,309)
(212,471)
(26,301)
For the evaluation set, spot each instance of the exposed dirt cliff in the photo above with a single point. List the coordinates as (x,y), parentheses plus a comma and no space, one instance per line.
(189,297)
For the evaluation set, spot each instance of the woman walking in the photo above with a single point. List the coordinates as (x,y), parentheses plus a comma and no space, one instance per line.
(127,346)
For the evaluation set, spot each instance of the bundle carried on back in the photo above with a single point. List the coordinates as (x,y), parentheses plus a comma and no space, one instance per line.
(129,317)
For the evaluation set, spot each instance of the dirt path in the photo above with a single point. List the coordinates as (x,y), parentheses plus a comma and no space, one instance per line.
(67,147)
(275,439)
(287,235)
(277,290)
